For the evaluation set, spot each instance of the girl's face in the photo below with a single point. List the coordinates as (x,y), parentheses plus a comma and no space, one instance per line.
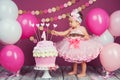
(73,23)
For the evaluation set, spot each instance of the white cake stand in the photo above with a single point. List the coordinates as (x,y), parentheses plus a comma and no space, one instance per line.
(46,73)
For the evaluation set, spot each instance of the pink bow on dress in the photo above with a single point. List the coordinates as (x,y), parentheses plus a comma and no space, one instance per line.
(74,43)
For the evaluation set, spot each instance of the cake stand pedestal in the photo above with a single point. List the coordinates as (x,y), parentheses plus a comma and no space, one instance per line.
(46,74)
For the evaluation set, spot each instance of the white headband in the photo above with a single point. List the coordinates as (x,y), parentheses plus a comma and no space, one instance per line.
(75,15)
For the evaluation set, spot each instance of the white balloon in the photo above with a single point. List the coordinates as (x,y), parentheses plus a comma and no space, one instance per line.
(10,31)
(8,9)
(106,38)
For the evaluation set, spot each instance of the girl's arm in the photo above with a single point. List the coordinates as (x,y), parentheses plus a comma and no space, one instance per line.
(85,33)
(61,33)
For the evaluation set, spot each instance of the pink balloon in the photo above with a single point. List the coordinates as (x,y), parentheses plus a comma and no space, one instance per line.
(97,21)
(115,23)
(27,20)
(12,58)
(110,57)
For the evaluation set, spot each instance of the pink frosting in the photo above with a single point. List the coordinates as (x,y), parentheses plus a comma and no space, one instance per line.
(45,62)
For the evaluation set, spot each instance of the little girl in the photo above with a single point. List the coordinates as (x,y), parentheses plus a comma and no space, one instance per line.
(77,47)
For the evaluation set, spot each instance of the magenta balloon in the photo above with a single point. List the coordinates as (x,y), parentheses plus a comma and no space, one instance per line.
(115,23)
(26,20)
(97,21)
(110,57)
(12,58)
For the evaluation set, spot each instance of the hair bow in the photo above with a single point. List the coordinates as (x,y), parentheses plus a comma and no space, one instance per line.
(76,15)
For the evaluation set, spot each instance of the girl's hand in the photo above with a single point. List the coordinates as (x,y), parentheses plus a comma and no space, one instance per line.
(53,32)
(86,37)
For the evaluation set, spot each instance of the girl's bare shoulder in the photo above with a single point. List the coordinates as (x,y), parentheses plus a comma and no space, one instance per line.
(82,28)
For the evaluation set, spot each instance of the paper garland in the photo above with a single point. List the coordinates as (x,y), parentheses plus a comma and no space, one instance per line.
(50,10)
(64,15)
(57,8)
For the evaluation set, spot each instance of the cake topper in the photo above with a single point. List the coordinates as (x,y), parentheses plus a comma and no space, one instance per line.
(43,36)
(44,27)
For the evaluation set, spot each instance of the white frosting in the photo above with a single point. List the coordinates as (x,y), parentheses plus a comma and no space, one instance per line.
(45,49)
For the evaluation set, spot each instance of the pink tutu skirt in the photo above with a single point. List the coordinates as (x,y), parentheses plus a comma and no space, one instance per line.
(77,50)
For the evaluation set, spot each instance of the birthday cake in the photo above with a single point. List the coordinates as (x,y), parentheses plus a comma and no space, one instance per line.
(45,55)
